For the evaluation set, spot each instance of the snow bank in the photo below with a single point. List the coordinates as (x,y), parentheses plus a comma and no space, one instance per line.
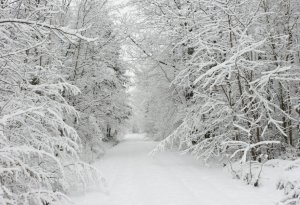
(274,175)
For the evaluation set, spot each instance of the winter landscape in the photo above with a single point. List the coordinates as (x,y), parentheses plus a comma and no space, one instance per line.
(150,102)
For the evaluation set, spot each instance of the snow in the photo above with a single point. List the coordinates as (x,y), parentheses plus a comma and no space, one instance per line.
(286,174)
(135,178)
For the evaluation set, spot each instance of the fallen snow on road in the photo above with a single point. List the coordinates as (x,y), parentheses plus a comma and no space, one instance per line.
(134,178)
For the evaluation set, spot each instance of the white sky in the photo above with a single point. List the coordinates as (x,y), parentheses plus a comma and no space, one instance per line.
(119,3)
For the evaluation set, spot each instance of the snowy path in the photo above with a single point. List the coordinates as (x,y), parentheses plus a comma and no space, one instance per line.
(134,178)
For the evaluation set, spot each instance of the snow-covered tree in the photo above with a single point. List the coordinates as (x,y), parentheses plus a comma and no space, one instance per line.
(38,149)
(235,64)
(98,70)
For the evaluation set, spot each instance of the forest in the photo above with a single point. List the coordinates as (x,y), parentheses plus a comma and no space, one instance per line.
(215,80)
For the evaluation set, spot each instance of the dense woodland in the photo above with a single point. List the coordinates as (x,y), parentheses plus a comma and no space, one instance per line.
(216,79)
(221,75)
(62,92)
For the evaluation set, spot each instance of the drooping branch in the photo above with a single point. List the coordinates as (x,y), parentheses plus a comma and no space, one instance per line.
(65,30)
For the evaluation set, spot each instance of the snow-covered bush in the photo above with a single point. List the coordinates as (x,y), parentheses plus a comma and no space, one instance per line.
(91,138)
(241,163)
(290,184)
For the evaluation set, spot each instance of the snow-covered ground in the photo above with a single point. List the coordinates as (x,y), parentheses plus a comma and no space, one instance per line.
(134,178)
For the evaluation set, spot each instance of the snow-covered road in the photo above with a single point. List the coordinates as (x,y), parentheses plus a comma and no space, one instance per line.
(134,178)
